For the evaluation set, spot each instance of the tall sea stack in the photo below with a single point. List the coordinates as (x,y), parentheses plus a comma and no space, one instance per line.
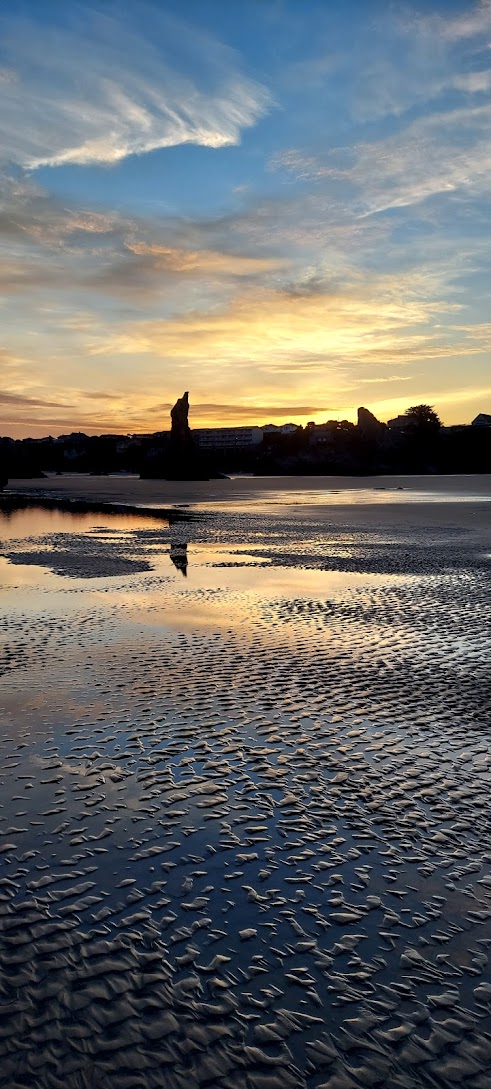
(178,457)
(183,459)
(180,435)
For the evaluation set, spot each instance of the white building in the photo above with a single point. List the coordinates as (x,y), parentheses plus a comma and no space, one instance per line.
(227,438)
(279,429)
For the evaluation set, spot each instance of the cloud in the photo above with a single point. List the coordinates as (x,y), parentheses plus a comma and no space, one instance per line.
(7,398)
(473,23)
(143,266)
(301,243)
(30,217)
(190,261)
(436,155)
(404,59)
(100,395)
(21,274)
(13,367)
(50,244)
(473,82)
(98,89)
(10,360)
(273,332)
(251,413)
(132,416)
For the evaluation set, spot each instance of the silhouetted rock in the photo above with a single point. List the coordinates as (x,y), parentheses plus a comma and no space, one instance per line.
(184,461)
(368,425)
(180,430)
(178,457)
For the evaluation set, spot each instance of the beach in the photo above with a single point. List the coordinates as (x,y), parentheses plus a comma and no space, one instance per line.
(245,823)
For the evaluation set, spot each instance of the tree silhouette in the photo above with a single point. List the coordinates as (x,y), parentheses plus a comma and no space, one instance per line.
(423,418)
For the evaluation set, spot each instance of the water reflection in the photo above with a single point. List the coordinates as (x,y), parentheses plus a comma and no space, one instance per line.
(179,548)
(29,522)
(240,808)
(36,525)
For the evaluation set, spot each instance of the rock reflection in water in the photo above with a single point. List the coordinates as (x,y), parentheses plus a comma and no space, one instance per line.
(179,548)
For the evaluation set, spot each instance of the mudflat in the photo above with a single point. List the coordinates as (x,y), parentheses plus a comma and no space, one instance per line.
(246,764)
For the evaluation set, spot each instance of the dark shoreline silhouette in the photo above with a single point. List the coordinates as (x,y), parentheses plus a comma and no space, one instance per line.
(411,444)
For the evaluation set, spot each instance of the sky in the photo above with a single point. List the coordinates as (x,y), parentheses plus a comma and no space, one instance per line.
(282,206)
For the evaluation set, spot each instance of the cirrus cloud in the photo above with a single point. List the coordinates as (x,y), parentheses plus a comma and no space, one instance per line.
(96,89)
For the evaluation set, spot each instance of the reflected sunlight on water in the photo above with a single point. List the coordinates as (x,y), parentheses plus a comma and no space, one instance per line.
(245,797)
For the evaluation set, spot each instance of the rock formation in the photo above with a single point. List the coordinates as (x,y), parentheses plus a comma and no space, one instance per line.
(180,435)
(183,460)
(368,425)
(177,457)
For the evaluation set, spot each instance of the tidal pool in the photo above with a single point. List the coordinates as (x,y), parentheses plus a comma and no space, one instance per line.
(245,822)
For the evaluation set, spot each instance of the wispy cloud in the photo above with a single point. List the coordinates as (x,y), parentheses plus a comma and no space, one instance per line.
(407,59)
(475,22)
(7,398)
(440,154)
(256,412)
(98,89)
(421,80)
(10,360)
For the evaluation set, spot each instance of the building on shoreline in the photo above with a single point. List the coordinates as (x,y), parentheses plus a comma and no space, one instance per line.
(227,438)
(238,438)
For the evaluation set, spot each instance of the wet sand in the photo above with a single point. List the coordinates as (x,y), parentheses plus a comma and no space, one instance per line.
(273,492)
(246,764)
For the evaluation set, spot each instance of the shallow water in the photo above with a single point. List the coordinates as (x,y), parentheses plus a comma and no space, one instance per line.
(245,824)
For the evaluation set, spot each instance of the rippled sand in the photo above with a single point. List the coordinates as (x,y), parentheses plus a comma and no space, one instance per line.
(245,821)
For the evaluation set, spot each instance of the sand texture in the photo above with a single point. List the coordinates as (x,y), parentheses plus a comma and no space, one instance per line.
(245,828)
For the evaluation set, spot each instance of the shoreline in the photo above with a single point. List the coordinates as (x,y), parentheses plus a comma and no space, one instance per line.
(365,502)
(15,501)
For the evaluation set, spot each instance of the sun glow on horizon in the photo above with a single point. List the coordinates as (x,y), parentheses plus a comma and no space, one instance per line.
(279,258)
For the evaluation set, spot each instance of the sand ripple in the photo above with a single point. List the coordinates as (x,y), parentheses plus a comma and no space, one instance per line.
(245,833)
